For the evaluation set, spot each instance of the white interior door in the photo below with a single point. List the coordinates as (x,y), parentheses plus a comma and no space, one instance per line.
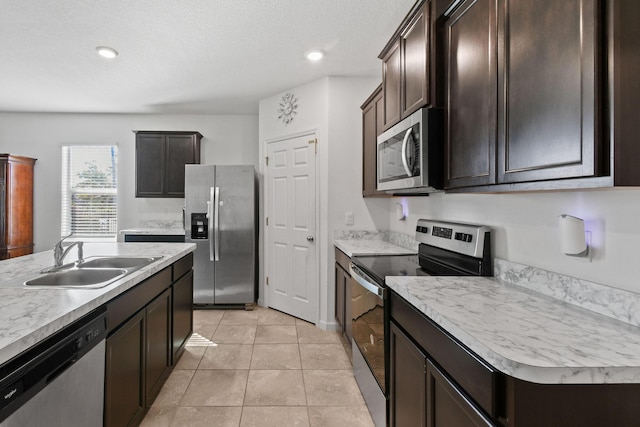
(292,267)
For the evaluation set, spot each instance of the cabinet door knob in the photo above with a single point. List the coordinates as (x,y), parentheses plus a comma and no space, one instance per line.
(310,238)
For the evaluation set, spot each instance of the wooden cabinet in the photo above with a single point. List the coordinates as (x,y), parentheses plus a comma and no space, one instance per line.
(391,85)
(407,66)
(182,314)
(415,64)
(343,295)
(523,95)
(341,284)
(16,206)
(148,327)
(471,110)
(160,160)
(407,381)
(434,381)
(157,344)
(433,377)
(372,117)
(549,91)
(420,394)
(447,406)
(124,374)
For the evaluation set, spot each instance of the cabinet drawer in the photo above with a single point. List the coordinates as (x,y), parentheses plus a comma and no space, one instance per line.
(342,259)
(471,373)
(129,303)
(182,266)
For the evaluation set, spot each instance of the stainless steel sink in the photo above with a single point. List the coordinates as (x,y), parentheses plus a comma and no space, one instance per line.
(79,278)
(116,262)
(93,272)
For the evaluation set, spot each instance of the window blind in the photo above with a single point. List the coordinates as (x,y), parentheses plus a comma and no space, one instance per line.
(90,191)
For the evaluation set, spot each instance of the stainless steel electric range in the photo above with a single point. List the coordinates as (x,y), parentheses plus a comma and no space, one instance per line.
(445,249)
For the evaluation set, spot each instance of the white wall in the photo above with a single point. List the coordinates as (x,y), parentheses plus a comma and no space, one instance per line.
(526,227)
(227,140)
(344,168)
(331,107)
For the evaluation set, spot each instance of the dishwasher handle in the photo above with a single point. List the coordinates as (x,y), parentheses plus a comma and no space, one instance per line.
(367,282)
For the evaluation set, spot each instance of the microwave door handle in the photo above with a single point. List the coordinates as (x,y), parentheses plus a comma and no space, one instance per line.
(405,161)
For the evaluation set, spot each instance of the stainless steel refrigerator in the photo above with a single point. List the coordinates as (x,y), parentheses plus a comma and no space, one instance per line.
(220,218)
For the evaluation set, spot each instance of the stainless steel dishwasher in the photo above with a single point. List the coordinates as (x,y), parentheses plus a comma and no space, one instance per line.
(60,381)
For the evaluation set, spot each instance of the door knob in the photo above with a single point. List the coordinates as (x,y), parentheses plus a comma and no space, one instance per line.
(310,238)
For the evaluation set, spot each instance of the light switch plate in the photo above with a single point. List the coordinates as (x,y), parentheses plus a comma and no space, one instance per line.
(348,218)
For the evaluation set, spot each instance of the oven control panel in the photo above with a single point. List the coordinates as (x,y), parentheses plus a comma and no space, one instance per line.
(467,239)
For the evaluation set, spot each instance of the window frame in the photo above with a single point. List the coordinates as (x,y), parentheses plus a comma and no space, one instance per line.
(69,167)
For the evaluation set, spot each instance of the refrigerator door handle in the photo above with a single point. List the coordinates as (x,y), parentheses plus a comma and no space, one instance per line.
(216,224)
(210,206)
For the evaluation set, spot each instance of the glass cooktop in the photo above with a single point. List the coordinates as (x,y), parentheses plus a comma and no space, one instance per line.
(380,266)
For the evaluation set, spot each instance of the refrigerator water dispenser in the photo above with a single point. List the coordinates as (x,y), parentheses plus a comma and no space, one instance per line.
(199,226)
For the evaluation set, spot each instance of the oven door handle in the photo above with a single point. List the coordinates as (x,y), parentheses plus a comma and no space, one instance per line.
(366,282)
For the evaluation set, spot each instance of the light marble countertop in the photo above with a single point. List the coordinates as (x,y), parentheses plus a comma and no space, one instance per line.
(154,231)
(356,247)
(27,316)
(526,334)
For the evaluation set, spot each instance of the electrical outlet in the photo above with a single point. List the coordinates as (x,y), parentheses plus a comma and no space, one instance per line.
(348,218)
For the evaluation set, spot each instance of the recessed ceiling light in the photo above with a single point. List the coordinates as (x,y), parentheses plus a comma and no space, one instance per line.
(107,52)
(315,55)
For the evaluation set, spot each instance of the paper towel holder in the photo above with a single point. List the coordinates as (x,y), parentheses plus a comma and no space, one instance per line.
(574,240)
(400,215)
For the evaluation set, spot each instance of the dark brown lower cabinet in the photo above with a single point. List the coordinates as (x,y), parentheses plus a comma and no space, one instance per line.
(182,314)
(407,381)
(124,376)
(447,406)
(343,295)
(420,394)
(341,281)
(157,344)
(435,381)
(142,350)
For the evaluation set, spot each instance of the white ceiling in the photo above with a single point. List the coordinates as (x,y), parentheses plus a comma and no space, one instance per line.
(182,56)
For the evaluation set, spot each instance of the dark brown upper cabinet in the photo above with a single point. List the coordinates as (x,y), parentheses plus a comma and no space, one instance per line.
(406,66)
(472,77)
(371,127)
(160,160)
(391,76)
(523,95)
(549,96)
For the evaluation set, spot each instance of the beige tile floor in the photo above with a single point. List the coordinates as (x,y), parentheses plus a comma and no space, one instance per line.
(259,368)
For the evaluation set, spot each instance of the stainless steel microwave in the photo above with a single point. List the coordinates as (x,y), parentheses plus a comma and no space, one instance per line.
(410,156)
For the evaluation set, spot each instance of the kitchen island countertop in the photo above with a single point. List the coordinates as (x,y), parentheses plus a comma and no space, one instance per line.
(526,334)
(27,316)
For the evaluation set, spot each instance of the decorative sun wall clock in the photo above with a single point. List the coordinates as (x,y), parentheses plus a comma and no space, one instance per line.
(288,107)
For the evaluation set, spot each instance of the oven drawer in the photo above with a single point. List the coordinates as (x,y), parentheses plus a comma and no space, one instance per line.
(474,376)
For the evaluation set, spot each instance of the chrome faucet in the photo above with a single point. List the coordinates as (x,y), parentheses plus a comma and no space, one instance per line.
(59,252)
